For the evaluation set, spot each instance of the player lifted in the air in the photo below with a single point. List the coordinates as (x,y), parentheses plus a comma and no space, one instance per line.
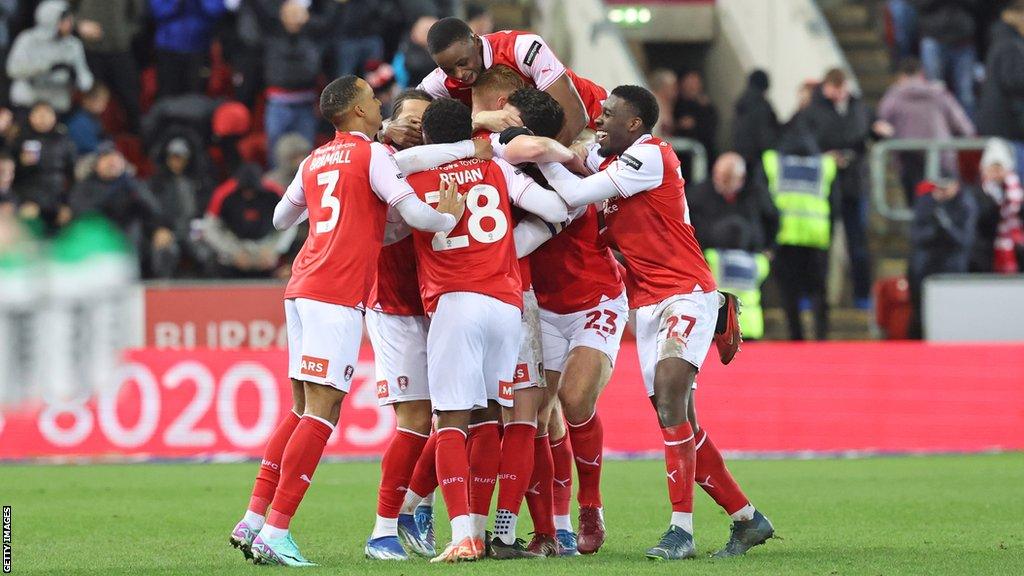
(346,188)
(470,283)
(677,305)
(462,56)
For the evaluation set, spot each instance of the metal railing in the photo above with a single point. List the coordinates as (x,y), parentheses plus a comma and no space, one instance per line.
(881,154)
(698,156)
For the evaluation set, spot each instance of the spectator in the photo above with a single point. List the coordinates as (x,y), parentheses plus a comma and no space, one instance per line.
(181,188)
(914,107)
(46,162)
(8,10)
(1002,94)
(193,112)
(413,61)
(479,18)
(291,64)
(290,151)
(85,126)
(800,180)
(903,16)
(731,194)
(841,126)
(231,121)
(360,28)
(694,114)
(755,127)
(8,199)
(941,238)
(107,28)
(1005,219)
(238,226)
(947,45)
(182,41)
(47,62)
(663,84)
(115,194)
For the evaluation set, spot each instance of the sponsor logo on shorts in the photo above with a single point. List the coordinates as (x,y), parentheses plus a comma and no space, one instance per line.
(349,371)
(531,54)
(382,388)
(313,366)
(403,383)
(506,391)
(522,374)
(631,161)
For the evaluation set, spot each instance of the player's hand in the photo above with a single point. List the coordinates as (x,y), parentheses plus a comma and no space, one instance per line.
(482,148)
(404,133)
(496,120)
(451,202)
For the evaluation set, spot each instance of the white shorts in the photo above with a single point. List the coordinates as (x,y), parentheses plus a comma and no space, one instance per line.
(323,342)
(530,364)
(399,356)
(599,328)
(679,326)
(471,351)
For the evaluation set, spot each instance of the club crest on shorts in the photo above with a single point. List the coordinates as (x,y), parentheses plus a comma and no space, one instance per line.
(506,390)
(403,383)
(349,371)
(382,388)
(313,366)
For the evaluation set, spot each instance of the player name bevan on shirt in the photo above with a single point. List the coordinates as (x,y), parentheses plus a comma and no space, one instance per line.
(462,177)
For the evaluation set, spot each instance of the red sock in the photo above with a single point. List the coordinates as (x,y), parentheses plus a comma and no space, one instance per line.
(680,462)
(270,468)
(539,495)
(561,454)
(714,477)
(516,465)
(452,470)
(396,468)
(588,448)
(424,476)
(484,449)
(301,456)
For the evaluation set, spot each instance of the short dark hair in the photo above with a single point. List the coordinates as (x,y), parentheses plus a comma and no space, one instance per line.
(445,32)
(447,120)
(539,111)
(408,94)
(644,104)
(910,66)
(834,77)
(338,96)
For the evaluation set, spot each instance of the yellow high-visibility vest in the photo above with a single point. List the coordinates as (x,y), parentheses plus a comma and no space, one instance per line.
(800,187)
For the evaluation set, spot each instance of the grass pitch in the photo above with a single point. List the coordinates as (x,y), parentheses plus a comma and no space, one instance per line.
(892,516)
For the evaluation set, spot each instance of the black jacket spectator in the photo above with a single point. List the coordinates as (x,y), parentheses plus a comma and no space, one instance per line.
(948,21)
(179,186)
(694,114)
(751,203)
(292,61)
(1001,110)
(107,28)
(756,126)
(45,158)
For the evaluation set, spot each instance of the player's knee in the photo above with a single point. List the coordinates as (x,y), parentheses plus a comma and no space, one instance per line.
(323,402)
(578,403)
(414,416)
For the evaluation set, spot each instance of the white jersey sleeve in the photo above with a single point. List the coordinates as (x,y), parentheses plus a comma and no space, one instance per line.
(497,148)
(537,61)
(386,180)
(593,160)
(291,209)
(433,84)
(524,192)
(636,170)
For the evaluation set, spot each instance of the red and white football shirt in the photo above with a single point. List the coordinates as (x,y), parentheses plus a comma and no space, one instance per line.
(575,270)
(479,254)
(649,222)
(397,289)
(527,54)
(343,184)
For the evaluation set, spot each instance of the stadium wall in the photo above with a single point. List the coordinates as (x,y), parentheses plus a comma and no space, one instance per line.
(776,399)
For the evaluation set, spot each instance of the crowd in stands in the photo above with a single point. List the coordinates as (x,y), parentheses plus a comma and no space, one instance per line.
(182,121)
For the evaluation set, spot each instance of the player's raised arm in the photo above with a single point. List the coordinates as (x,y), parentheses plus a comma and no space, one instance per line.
(420,158)
(291,209)
(532,197)
(532,232)
(575,112)
(517,146)
(389,184)
(536,60)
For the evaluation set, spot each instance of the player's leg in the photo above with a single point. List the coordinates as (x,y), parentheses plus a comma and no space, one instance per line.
(330,348)
(484,447)
(673,338)
(400,355)
(419,498)
(749,527)
(562,459)
(540,493)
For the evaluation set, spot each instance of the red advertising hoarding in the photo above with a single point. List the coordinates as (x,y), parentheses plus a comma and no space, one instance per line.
(775,398)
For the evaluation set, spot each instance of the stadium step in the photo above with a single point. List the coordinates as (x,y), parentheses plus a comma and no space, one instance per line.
(844,324)
(849,15)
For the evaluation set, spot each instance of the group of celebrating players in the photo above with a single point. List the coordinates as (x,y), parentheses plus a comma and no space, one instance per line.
(494,305)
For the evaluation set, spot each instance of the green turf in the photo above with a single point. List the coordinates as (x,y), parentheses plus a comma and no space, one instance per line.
(915,515)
